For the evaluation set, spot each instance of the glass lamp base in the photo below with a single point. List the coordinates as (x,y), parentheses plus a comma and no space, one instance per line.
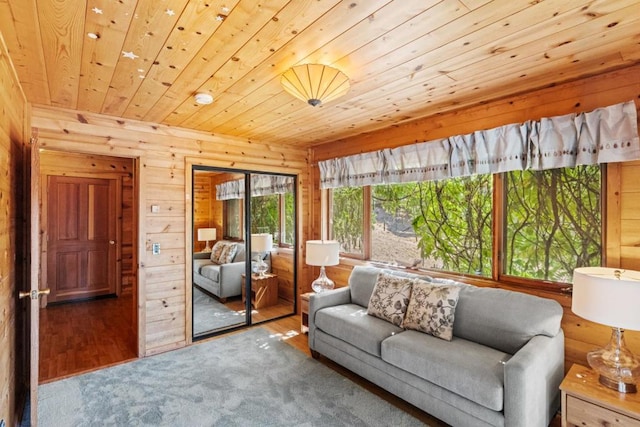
(618,368)
(322,283)
(261,267)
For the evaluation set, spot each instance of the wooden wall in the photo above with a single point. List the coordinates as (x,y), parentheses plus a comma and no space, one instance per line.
(87,165)
(623,180)
(164,154)
(14,131)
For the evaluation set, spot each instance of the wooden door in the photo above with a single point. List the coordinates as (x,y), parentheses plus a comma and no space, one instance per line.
(81,237)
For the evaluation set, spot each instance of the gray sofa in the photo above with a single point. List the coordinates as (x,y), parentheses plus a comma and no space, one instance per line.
(221,280)
(502,367)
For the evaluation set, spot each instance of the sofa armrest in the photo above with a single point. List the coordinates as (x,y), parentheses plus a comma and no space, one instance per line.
(231,278)
(532,379)
(322,300)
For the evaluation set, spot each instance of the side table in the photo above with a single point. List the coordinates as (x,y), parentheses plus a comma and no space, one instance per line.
(304,312)
(586,402)
(264,290)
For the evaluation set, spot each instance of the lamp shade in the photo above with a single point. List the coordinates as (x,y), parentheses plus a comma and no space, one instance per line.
(323,252)
(261,242)
(206,234)
(315,83)
(608,296)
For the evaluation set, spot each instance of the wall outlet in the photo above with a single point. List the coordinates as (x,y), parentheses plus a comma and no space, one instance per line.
(155,248)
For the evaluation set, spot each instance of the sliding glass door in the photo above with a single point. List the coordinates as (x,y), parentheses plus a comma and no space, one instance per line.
(236,237)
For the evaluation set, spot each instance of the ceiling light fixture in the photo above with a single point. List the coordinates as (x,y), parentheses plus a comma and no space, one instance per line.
(203,98)
(315,83)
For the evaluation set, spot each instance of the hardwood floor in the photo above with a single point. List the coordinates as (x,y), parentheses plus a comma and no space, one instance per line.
(84,336)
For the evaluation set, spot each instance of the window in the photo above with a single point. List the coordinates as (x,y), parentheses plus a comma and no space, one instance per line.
(233,219)
(547,223)
(274,214)
(553,222)
(347,219)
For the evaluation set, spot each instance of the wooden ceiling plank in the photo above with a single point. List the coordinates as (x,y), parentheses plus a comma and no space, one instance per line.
(498,88)
(220,49)
(24,44)
(414,55)
(150,27)
(373,26)
(414,72)
(62,32)
(109,21)
(487,70)
(197,25)
(289,25)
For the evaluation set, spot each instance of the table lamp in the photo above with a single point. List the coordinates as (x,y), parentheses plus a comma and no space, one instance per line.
(261,243)
(206,234)
(322,253)
(611,297)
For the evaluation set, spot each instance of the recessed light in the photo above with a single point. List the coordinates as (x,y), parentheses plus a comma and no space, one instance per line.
(93,36)
(203,98)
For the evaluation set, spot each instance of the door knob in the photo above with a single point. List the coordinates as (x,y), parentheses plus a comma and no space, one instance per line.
(34,294)
(112,242)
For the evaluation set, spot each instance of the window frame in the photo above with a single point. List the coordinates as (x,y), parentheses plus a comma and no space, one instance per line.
(499,234)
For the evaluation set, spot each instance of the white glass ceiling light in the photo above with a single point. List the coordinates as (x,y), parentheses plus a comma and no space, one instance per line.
(203,98)
(610,296)
(315,83)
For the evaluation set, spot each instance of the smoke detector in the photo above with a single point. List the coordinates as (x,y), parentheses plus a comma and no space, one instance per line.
(203,98)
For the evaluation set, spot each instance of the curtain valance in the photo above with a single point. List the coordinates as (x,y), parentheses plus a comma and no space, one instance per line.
(604,135)
(261,185)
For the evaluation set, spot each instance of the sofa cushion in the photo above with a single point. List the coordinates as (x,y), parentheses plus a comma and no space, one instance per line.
(390,298)
(350,323)
(432,309)
(363,278)
(469,369)
(502,319)
(228,253)
(211,272)
(217,251)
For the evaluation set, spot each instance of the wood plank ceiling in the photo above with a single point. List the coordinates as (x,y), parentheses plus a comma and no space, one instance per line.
(405,58)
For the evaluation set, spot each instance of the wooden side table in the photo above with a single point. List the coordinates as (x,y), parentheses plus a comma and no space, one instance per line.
(264,290)
(304,312)
(586,402)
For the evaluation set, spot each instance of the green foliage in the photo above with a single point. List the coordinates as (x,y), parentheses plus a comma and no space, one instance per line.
(347,218)
(264,215)
(553,222)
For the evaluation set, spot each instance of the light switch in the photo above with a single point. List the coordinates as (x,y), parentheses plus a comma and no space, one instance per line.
(155,208)
(155,248)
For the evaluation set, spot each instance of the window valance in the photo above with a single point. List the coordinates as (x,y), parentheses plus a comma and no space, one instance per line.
(261,185)
(604,135)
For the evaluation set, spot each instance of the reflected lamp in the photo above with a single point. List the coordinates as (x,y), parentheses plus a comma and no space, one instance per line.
(205,235)
(322,253)
(261,243)
(611,297)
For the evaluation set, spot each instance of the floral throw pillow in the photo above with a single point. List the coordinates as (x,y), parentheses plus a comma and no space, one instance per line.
(217,251)
(389,298)
(228,253)
(432,309)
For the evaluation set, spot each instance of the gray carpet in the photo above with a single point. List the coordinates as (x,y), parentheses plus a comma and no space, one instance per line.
(246,379)
(210,314)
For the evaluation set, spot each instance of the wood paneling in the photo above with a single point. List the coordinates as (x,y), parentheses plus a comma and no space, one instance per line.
(14,131)
(623,179)
(405,58)
(163,152)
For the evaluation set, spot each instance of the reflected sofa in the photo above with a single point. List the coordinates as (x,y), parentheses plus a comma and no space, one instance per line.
(219,272)
(502,367)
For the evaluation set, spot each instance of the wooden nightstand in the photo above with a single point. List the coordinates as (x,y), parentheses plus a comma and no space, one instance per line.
(586,402)
(264,290)
(304,312)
